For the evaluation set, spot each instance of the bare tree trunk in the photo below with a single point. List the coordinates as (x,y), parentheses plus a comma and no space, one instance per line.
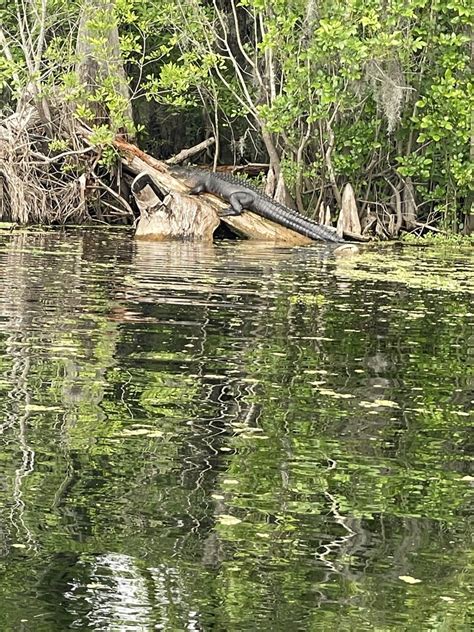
(409,204)
(329,165)
(99,56)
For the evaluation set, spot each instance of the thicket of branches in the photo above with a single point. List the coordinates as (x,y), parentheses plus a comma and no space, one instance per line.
(324,92)
(64,98)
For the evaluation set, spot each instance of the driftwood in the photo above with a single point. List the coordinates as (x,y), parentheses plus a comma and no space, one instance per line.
(189,211)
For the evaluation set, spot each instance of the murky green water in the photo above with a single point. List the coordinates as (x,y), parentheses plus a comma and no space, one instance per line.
(233,437)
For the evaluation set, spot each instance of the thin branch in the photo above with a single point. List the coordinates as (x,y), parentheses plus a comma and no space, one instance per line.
(191,151)
(114,194)
(51,159)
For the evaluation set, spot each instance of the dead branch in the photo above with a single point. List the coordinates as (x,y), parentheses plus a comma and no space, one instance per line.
(250,169)
(115,195)
(185,154)
(430,227)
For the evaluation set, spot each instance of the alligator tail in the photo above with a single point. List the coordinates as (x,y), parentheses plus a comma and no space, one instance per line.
(303,226)
(310,226)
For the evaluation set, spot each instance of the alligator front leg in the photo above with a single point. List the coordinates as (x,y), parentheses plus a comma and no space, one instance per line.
(196,190)
(229,212)
(238,201)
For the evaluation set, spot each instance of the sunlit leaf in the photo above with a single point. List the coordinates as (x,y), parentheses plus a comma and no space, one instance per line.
(228,520)
(97,585)
(409,580)
(387,403)
(135,432)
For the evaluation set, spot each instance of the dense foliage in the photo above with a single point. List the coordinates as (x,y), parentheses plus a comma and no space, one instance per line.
(373,93)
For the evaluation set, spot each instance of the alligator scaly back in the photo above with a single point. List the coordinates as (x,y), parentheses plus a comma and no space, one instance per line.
(259,202)
(242,182)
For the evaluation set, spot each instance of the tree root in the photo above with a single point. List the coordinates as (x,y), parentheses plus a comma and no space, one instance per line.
(52,176)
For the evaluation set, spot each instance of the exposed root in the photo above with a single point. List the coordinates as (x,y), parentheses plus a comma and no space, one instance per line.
(46,175)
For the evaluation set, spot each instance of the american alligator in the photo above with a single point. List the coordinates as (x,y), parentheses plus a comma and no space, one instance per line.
(242,195)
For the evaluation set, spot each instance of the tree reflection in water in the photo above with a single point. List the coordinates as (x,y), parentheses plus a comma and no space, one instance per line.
(231,437)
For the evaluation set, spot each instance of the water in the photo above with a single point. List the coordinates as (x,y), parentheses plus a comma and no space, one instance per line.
(233,437)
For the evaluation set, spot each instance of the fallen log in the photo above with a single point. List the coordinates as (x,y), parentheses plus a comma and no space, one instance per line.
(174,214)
(171,215)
